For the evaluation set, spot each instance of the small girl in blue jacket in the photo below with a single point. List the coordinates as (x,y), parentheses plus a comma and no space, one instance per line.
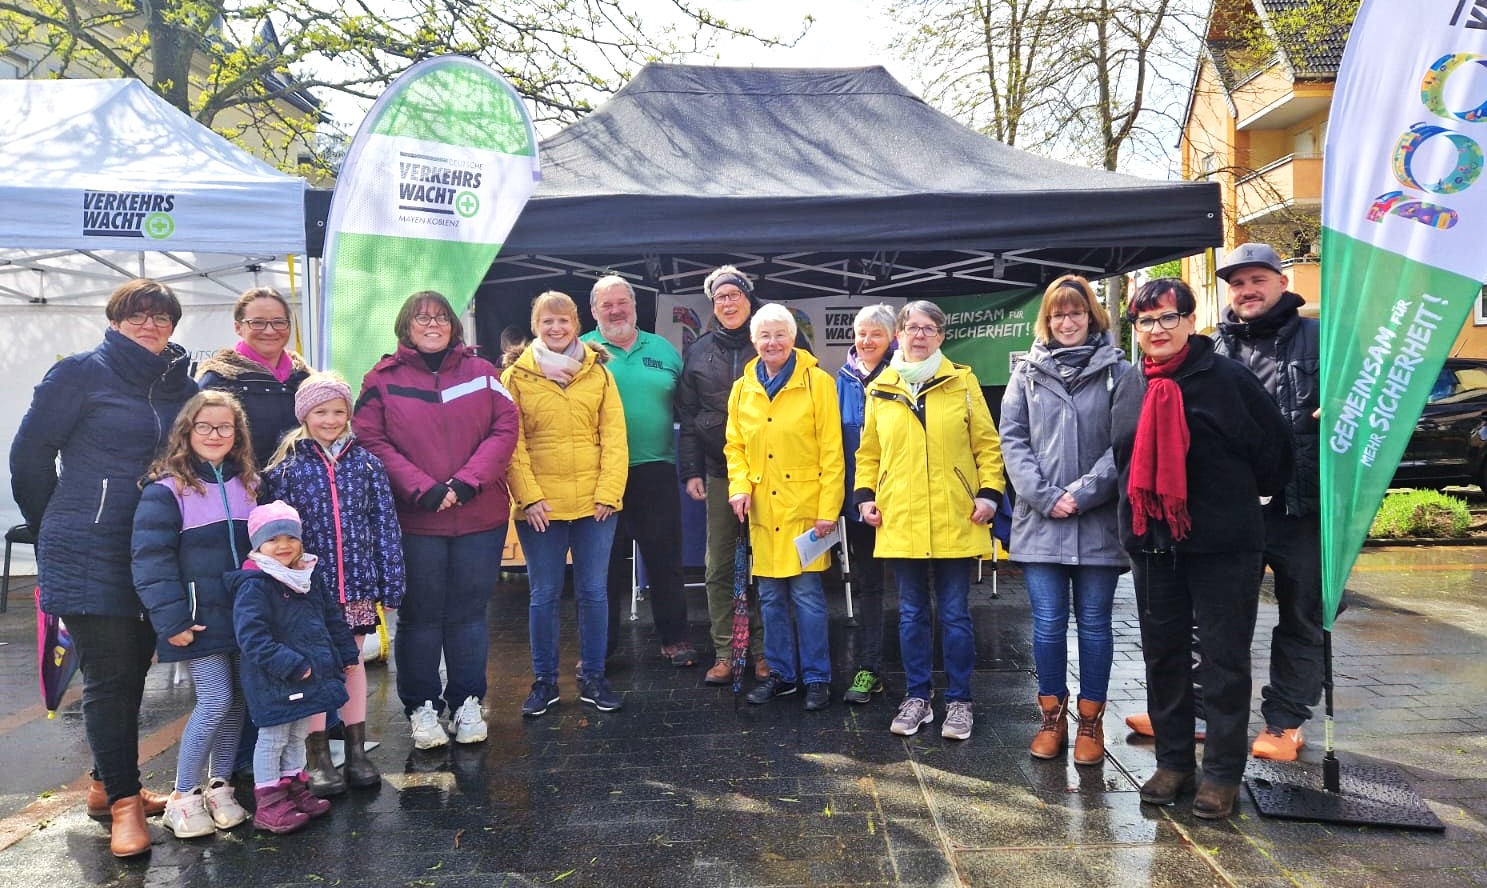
(344,498)
(296,650)
(191,527)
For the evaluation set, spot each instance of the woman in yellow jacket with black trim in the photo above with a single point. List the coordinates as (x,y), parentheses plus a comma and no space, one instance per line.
(786,477)
(567,478)
(929,477)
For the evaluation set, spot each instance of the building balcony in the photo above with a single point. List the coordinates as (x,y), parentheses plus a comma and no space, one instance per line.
(1293,182)
(1270,99)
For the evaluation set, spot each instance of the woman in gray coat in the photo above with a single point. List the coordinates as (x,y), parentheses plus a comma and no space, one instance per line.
(1056,442)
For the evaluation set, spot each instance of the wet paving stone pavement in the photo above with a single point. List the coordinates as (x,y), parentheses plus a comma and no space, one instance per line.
(688,785)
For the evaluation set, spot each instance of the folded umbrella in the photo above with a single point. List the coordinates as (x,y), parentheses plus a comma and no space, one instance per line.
(740,605)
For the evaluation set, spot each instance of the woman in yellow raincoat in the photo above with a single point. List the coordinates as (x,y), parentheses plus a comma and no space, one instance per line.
(929,477)
(786,477)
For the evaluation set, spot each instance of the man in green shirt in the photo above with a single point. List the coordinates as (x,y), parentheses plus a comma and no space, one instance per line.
(646,368)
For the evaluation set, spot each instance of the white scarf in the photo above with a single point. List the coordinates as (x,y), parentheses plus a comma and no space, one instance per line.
(916,373)
(562,366)
(296,578)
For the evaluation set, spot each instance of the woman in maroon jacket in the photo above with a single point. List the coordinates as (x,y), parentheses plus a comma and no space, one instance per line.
(437,416)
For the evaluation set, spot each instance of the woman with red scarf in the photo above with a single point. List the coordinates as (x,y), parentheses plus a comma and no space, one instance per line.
(1198,442)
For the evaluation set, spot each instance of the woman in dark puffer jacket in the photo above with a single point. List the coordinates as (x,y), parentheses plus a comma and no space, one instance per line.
(106,413)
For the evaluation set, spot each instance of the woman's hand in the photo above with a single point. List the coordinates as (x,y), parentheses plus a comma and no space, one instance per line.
(870,514)
(740,505)
(601,511)
(185,636)
(1065,507)
(824,526)
(537,516)
(983,511)
(696,489)
(449,501)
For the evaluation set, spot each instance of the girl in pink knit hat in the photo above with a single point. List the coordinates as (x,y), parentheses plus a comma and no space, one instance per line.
(296,651)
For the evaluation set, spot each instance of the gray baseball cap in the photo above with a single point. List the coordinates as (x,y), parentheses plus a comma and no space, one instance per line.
(1246,255)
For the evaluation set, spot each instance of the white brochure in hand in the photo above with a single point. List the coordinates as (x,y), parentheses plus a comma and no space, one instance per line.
(811,546)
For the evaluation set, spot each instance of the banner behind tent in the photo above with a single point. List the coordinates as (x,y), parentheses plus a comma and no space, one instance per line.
(989,332)
(432,183)
(1404,219)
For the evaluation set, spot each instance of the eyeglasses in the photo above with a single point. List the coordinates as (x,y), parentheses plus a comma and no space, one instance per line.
(158,319)
(730,296)
(1060,317)
(207,430)
(916,330)
(424,320)
(258,325)
(1168,321)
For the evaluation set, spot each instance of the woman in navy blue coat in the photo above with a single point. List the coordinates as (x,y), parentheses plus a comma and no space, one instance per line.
(106,413)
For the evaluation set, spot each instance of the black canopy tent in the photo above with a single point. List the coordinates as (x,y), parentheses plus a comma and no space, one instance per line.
(820,181)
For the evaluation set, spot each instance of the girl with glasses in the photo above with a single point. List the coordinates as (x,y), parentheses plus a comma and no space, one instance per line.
(191,527)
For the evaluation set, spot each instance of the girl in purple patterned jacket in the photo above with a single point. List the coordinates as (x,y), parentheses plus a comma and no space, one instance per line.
(345,502)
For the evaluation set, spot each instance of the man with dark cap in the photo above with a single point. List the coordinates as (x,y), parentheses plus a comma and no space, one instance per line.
(711,365)
(1262,330)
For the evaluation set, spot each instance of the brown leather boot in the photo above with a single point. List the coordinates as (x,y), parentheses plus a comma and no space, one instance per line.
(360,772)
(325,779)
(1053,737)
(1165,786)
(721,673)
(128,836)
(1089,742)
(1215,801)
(98,809)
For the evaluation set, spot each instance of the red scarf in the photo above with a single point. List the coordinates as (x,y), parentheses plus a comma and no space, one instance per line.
(1158,488)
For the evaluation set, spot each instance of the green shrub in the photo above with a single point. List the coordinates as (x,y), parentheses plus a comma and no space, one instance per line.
(1420,513)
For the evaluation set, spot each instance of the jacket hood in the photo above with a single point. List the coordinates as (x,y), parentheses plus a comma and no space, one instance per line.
(228,364)
(138,365)
(594,353)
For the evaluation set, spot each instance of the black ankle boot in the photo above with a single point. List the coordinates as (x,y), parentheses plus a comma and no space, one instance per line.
(360,772)
(325,780)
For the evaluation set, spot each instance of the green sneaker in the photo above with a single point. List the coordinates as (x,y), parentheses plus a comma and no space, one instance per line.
(864,684)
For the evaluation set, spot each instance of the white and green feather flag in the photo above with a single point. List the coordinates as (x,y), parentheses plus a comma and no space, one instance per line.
(432,183)
(1404,245)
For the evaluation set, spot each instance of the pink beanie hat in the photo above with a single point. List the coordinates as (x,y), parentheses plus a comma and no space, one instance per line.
(316,390)
(275,519)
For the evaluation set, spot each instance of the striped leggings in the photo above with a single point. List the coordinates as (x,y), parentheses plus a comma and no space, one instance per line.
(209,743)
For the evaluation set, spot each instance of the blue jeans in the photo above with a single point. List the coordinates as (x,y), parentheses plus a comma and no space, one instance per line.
(449,585)
(802,594)
(1048,587)
(952,589)
(546,552)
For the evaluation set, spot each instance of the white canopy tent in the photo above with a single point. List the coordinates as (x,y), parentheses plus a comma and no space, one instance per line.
(105,181)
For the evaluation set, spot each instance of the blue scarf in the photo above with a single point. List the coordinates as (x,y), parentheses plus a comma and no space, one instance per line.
(772,386)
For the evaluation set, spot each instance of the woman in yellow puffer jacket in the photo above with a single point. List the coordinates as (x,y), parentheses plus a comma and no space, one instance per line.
(929,477)
(567,478)
(786,476)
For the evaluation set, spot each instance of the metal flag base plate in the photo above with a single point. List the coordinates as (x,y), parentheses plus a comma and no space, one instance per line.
(1370,796)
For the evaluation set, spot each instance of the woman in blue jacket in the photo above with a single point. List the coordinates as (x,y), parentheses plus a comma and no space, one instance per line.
(106,413)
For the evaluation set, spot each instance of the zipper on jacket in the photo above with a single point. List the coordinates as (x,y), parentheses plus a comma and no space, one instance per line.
(966,484)
(102,498)
(227,514)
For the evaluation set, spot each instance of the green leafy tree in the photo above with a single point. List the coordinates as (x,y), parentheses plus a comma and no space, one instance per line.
(245,68)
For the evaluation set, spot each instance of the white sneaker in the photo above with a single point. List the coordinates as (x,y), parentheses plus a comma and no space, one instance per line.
(469,722)
(427,732)
(186,815)
(223,806)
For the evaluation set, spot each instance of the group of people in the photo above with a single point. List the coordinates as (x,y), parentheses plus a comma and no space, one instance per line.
(258,522)
(1195,468)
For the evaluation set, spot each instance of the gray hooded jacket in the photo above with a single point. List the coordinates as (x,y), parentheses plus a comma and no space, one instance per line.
(1056,440)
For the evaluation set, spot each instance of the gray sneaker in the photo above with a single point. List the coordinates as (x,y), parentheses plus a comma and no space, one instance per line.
(427,732)
(912,713)
(958,721)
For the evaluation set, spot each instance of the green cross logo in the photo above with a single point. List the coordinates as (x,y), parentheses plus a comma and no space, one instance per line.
(159,226)
(466,204)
